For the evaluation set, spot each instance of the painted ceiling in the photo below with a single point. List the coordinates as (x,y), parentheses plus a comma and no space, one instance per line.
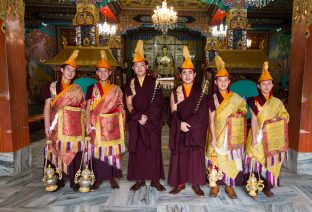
(180,4)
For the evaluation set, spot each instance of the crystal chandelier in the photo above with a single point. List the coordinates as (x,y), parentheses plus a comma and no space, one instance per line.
(219,31)
(164,18)
(249,42)
(105,29)
(259,3)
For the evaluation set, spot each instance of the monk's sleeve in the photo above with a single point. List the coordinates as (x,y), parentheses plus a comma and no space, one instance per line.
(199,124)
(211,104)
(45,92)
(174,133)
(134,115)
(150,132)
(282,112)
(155,110)
(252,105)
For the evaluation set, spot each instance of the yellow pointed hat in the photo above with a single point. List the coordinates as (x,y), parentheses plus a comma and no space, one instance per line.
(265,75)
(222,72)
(139,52)
(102,63)
(187,59)
(72,59)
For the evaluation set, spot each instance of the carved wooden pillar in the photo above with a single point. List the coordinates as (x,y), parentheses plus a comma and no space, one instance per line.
(15,154)
(300,94)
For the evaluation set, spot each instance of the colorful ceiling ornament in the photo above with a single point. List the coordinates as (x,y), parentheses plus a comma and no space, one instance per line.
(230,4)
(98,3)
(236,4)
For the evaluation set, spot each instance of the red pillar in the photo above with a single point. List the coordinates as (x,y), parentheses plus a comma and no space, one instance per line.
(14,135)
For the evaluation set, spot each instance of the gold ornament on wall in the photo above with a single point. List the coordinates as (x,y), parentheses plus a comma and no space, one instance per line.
(303,13)
(87,14)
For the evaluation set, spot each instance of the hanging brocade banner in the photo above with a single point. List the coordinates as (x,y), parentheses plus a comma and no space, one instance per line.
(275,144)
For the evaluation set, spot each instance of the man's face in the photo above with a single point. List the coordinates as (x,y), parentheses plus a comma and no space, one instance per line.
(140,68)
(223,83)
(68,72)
(265,86)
(188,75)
(103,73)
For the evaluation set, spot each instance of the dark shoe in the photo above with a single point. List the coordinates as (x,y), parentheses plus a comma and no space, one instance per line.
(230,191)
(138,185)
(198,191)
(177,189)
(268,193)
(75,187)
(158,186)
(114,183)
(60,183)
(214,191)
(96,185)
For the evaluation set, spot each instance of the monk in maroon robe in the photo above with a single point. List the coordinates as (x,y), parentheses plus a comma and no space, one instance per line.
(188,127)
(145,103)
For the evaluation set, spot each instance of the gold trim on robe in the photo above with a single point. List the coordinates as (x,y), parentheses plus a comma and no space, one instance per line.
(272,110)
(229,161)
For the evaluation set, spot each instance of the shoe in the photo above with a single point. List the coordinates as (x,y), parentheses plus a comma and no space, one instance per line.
(60,183)
(138,185)
(198,191)
(268,193)
(158,186)
(230,191)
(114,183)
(214,191)
(177,189)
(74,186)
(96,185)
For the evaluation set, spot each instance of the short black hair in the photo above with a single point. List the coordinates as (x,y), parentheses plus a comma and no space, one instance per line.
(64,65)
(138,62)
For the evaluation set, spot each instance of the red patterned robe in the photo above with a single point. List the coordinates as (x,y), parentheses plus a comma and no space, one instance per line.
(107,137)
(67,127)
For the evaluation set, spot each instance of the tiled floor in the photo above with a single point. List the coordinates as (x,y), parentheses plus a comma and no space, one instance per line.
(25,192)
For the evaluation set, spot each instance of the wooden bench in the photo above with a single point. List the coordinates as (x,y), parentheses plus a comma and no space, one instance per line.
(35,118)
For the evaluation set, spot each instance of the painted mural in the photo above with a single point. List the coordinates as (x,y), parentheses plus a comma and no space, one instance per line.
(279,50)
(279,53)
(40,46)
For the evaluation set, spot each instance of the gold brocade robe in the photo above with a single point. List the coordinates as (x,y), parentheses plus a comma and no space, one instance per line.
(272,109)
(231,105)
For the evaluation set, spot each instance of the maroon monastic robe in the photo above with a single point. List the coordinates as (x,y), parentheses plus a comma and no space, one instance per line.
(187,160)
(145,157)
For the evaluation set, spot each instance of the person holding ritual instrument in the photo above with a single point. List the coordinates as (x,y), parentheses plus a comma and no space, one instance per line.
(227,135)
(267,142)
(64,122)
(105,120)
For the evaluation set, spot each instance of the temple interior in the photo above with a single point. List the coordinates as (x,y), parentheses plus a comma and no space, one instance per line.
(37,36)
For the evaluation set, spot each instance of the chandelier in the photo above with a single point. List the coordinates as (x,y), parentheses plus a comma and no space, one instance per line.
(164,18)
(106,29)
(249,42)
(259,3)
(219,31)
